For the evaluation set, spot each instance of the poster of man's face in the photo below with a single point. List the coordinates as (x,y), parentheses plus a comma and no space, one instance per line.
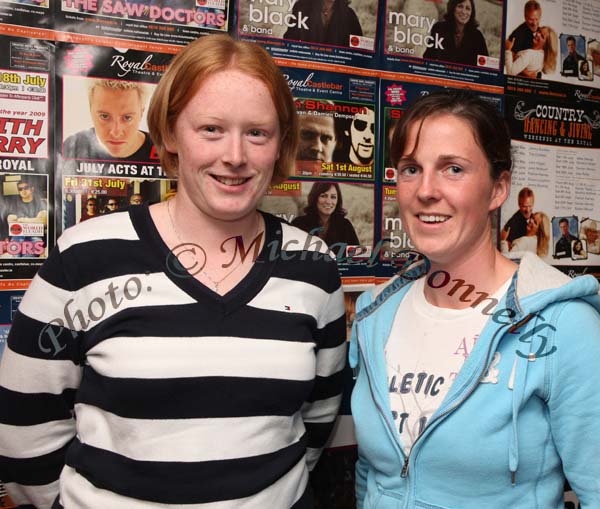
(317,138)
(362,137)
(105,119)
(336,139)
(564,232)
(23,216)
(116,116)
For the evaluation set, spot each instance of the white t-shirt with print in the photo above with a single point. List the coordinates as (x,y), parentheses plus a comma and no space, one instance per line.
(425,351)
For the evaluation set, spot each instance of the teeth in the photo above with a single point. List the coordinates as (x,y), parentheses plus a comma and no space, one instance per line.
(433,219)
(230,181)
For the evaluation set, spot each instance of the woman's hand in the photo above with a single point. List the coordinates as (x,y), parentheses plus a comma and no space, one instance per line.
(504,234)
(508,45)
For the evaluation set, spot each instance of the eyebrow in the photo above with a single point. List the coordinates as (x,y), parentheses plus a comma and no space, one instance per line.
(442,158)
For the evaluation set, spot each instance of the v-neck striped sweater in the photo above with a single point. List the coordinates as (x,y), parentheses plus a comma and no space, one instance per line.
(126,383)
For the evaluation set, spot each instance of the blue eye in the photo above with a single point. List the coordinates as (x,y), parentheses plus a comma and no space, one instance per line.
(455,170)
(408,171)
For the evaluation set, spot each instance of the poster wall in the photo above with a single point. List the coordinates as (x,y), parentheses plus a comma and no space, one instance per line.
(26,159)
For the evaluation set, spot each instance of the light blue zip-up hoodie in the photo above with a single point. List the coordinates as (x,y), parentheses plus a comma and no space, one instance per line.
(504,437)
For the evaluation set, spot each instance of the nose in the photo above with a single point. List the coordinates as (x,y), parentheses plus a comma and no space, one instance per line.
(234,151)
(319,145)
(116,128)
(428,187)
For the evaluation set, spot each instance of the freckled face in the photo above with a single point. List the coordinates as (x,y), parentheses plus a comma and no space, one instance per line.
(227,140)
(445,190)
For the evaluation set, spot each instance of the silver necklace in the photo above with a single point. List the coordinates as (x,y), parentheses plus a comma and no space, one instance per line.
(214,282)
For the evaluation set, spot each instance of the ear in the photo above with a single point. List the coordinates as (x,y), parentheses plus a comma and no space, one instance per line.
(170,143)
(500,190)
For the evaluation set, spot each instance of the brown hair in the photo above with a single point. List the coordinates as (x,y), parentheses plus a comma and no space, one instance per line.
(202,58)
(489,128)
(524,194)
(317,190)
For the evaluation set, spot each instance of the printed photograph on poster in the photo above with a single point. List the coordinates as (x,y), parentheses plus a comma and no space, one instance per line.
(102,104)
(88,197)
(572,54)
(302,24)
(24,216)
(105,120)
(552,41)
(337,115)
(341,214)
(590,234)
(565,237)
(336,139)
(467,33)
(527,230)
(176,22)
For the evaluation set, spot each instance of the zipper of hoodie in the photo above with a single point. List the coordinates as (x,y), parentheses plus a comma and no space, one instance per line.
(379,408)
(453,407)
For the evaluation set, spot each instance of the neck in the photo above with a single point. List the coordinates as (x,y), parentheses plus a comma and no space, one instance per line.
(27,200)
(482,271)
(211,233)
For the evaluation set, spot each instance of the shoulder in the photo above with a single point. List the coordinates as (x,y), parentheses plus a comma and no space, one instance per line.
(111,226)
(80,138)
(441,26)
(575,324)
(303,221)
(520,29)
(341,220)
(295,239)
(475,32)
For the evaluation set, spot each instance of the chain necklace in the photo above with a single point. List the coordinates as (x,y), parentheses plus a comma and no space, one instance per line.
(215,282)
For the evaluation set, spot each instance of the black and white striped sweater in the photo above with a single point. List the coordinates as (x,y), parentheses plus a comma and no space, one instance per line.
(141,388)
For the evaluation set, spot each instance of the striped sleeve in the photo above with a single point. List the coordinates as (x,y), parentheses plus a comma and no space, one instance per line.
(39,374)
(321,408)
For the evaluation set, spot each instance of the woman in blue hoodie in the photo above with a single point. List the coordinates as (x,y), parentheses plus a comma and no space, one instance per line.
(477,383)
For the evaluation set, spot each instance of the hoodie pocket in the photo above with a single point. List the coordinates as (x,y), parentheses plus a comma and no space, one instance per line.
(385,499)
